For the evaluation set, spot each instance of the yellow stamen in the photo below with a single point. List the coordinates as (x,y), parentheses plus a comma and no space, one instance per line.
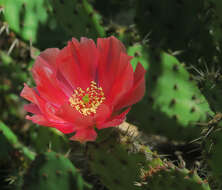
(87,102)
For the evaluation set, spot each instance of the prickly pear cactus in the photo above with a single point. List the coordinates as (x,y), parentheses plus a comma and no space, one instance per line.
(170,177)
(6,148)
(212,90)
(212,152)
(50,139)
(70,13)
(111,160)
(33,21)
(53,171)
(10,141)
(173,103)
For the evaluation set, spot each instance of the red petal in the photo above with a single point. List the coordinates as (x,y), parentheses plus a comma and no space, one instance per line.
(88,56)
(78,62)
(102,113)
(41,120)
(137,91)
(110,61)
(88,134)
(122,85)
(66,129)
(68,65)
(71,115)
(45,78)
(114,121)
(28,94)
(139,73)
(64,85)
(38,119)
(46,108)
(49,56)
(32,108)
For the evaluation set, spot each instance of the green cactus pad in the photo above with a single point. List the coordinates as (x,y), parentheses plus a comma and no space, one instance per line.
(50,139)
(212,90)
(53,171)
(173,103)
(13,141)
(164,178)
(213,153)
(6,149)
(117,167)
(33,20)
(78,18)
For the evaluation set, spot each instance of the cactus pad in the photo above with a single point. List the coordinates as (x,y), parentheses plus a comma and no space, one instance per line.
(53,171)
(33,20)
(50,139)
(213,153)
(78,18)
(164,178)
(112,162)
(173,103)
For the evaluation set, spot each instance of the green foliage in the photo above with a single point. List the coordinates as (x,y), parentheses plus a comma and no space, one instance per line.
(170,178)
(212,90)
(173,103)
(213,154)
(53,171)
(111,160)
(13,75)
(11,141)
(50,139)
(6,148)
(33,20)
(69,13)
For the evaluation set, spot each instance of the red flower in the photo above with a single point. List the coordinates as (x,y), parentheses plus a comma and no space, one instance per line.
(84,86)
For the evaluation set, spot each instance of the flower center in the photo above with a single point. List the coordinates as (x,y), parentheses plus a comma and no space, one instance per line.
(87,101)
